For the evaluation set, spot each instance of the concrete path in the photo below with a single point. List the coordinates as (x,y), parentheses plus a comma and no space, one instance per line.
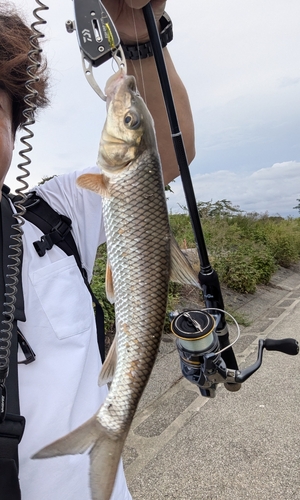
(243,445)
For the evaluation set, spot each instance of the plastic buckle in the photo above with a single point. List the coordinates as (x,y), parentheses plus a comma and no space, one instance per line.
(62,228)
(43,245)
(57,234)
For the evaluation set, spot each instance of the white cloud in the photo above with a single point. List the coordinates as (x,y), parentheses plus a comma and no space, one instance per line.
(273,190)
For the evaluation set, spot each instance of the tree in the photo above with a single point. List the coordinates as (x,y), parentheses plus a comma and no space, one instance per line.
(297,207)
(220,208)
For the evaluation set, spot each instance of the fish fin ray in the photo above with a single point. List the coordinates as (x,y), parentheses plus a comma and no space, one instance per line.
(77,441)
(109,365)
(94,182)
(181,270)
(109,284)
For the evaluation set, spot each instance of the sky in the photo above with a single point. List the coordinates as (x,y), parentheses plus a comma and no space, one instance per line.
(240,63)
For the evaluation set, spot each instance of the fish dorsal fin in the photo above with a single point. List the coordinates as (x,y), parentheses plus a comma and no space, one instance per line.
(181,270)
(94,182)
(109,365)
(109,285)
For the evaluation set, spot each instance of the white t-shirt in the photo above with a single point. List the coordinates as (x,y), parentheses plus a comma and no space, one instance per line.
(59,390)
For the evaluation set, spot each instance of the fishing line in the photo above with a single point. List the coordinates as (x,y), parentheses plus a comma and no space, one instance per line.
(211,310)
(140,59)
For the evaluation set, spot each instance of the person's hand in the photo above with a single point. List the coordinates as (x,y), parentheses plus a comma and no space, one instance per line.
(128,17)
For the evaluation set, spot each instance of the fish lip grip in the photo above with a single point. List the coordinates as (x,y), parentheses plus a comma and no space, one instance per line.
(96,33)
(97,37)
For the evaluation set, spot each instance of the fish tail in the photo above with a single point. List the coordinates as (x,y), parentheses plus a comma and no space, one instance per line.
(105,453)
(105,458)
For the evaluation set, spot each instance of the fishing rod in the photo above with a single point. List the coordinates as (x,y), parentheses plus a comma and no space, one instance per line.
(208,277)
(206,355)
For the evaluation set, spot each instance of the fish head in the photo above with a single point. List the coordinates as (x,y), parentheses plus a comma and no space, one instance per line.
(129,127)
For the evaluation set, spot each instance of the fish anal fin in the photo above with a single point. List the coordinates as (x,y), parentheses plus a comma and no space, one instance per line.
(109,285)
(109,365)
(94,182)
(181,270)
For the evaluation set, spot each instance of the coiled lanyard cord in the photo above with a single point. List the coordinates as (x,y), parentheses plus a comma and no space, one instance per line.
(11,274)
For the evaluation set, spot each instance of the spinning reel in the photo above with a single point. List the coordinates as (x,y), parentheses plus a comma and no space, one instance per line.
(201,356)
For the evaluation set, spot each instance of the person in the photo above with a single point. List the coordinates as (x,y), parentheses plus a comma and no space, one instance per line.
(59,390)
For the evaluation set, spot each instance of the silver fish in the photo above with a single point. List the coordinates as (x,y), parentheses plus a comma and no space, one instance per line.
(140,249)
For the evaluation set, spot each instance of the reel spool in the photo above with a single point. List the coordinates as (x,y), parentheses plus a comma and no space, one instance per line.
(196,337)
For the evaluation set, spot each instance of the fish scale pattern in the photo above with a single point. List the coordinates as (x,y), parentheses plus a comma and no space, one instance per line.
(138,248)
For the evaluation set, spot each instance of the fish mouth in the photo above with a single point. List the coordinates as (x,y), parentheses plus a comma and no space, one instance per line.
(120,81)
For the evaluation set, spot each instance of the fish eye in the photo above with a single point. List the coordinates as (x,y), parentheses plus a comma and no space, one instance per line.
(132,120)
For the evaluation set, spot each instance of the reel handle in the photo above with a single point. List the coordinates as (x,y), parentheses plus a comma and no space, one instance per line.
(288,346)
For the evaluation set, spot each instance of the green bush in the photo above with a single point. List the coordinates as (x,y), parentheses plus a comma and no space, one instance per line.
(182,229)
(264,263)
(245,249)
(283,241)
(246,267)
(173,297)
(98,287)
(236,271)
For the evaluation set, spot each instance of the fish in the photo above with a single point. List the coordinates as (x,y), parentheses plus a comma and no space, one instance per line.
(142,258)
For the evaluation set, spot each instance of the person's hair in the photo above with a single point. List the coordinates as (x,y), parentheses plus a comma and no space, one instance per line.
(15,47)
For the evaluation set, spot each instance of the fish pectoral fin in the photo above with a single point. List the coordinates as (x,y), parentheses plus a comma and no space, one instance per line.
(77,441)
(109,284)
(94,182)
(109,366)
(105,454)
(181,270)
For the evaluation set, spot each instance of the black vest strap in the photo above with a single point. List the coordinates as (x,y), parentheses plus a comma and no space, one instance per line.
(12,428)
